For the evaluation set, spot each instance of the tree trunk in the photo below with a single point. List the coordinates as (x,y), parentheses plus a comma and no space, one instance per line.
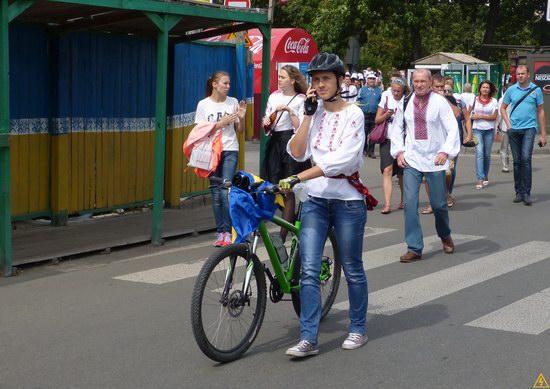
(417,42)
(490,28)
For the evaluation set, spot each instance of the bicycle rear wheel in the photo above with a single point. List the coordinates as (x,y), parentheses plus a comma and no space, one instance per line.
(226,318)
(331,272)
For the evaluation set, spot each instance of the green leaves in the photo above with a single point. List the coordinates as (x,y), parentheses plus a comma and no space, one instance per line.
(396,32)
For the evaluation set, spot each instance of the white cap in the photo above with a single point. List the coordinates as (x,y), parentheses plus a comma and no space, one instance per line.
(354,75)
(371,75)
(361,77)
(347,74)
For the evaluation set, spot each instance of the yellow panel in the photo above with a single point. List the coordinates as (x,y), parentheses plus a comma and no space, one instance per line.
(141,142)
(73,182)
(34,172)
(14,171)
(174,165)
(24,168)
(88,171)
(124,166)
(116,168)
(132,168)
(249,121)
(81,154)
(150,165)
(168,164)
(108,157)
(44,176)
(100,179)
(60,171)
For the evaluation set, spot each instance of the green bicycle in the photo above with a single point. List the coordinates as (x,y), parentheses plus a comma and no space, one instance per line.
(230,294)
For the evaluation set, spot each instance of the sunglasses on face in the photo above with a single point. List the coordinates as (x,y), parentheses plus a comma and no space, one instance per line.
(448,91)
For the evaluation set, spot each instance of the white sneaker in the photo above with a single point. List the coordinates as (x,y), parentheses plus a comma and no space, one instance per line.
(219,240)
(303,349)
(227,238)
(354,341)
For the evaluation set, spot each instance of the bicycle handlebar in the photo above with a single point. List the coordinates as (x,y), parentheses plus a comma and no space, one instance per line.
(224,183)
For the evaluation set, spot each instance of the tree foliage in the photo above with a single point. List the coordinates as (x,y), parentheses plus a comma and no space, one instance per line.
(393,33)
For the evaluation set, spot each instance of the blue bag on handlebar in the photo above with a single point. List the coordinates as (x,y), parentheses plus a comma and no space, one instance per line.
(247,213)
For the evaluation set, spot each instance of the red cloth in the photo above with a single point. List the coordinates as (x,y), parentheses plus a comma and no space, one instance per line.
(199,132)
(355,181)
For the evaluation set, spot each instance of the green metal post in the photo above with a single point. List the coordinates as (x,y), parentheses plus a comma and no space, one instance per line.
(164,23)
(266,67)
(5,180)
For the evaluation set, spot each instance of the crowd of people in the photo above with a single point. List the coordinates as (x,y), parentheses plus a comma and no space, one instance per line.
(321,134)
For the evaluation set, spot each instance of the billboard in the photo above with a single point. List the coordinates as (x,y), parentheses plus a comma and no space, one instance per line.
(542,75)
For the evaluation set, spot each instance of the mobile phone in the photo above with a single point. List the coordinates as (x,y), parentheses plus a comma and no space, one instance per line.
(540,143)
(392,111)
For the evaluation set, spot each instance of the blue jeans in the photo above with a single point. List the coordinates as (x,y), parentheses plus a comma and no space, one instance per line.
(453,176)
(220,197)
(483,153)
(412,180)
(348,219)
(521,144)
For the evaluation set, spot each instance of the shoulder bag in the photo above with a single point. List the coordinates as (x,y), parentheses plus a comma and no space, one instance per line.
(379,132)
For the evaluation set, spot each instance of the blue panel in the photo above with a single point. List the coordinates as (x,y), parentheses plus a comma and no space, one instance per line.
(193,64)
(240,85)
(29,73)
(104,76)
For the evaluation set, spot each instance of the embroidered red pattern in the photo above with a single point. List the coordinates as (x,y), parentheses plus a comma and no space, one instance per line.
(321,129)
(420,121)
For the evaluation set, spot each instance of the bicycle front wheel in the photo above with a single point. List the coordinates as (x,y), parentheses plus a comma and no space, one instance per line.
(331,272)
(226,315)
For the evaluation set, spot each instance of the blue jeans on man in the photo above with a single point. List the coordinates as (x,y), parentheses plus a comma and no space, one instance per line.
(412,179)
(348,219)
(220,198)
(521,144)
(483,153)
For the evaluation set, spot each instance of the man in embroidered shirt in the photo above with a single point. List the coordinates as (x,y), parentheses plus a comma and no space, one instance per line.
(522,128)
(423,149)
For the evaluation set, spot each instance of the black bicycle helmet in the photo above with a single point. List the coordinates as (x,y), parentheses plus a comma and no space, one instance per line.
(326,62)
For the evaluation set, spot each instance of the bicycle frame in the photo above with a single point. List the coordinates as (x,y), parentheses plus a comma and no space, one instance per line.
(282,278)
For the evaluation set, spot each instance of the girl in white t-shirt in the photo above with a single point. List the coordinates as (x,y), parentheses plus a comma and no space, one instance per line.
(388,165)
(229,115)
(282,117)
(484,115)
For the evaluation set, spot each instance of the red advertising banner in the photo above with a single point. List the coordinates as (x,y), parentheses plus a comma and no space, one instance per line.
(542,75)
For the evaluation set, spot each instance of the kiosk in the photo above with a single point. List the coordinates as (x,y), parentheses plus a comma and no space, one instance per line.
(289,46)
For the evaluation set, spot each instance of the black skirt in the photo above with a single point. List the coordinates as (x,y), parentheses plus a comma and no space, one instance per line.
(278,164)
(386,159)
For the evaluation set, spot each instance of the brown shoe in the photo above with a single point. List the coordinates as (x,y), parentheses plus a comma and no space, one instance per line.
(409,257)
(448,245)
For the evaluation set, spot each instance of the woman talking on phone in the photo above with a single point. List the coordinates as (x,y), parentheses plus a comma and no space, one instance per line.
(282,118)
(331,134)
(228,114)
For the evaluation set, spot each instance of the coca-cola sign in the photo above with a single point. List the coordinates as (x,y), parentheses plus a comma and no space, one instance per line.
(300,46)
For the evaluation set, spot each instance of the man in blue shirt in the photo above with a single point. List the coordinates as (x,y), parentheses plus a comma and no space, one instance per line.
(368,99)
(526,115)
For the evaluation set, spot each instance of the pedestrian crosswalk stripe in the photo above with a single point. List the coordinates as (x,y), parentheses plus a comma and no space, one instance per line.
(390,254)
(530,315)
(181,271)
(421,290)
(410,294)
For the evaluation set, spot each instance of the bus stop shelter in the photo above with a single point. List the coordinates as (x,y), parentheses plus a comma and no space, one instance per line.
(170,21)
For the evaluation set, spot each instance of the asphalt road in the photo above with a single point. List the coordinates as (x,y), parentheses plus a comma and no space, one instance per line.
(478,318)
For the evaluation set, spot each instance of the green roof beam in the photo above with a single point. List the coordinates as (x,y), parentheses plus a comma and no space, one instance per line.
(6,254)
(18,7)
(199,10)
